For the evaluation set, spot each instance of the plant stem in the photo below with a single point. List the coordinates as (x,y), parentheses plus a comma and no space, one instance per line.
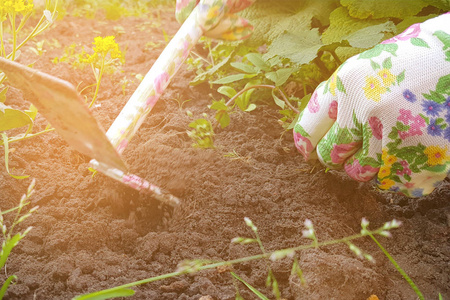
(37,29)
(99,79)
(321,65)
(22,137)
(391,259)
(12,19)
(336,58)
(283,95)
(246,89)
(226,263)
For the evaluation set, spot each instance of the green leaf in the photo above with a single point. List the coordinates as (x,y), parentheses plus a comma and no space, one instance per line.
(300,47)
(6,285)
(443,85)
(257,60)
(108,294)
(271,18)
(377,9)
(6,147)
(223,118)
(340,85)
(408,21)
(435,96)
(7,248)
(244,67)
(219,105)
(280,77)
(299,129)
(233,78)
(13,118)
(31,112)
(304,102)
(369,161)
(401,77)
(387,63)
(444,38)
(375,66)
(278,101)
(368,37)
(436,169)
(251,288)
(292,125)
(342,26)
(419,42)
(227,91)
(251,107)
(204,76)
(376,51)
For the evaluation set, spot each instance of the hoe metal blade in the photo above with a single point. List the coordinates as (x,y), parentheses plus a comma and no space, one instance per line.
(61,105)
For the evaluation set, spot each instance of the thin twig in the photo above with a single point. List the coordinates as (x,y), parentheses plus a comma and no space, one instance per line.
(287,101)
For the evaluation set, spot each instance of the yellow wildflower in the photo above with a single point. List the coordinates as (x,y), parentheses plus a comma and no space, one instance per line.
(373,89)
(436,155)
(15,6)
(384,171)
(386,184)
(387,77)
(387,158)
(105,45)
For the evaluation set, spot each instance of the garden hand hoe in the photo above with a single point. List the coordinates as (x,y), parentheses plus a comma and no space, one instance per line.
(63,107)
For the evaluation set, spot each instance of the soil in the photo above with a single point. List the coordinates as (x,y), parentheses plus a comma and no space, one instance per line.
(92,233)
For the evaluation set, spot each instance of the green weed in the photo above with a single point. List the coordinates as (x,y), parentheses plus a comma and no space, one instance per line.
(202,133)
(10,236)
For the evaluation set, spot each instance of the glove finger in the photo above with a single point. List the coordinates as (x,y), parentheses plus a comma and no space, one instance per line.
(365,163)
(337,146)
(401,175)
(316,119)
(231,28)
(184,8)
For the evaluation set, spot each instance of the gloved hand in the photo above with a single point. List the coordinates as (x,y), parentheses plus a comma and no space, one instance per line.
(385,113)
(230,27)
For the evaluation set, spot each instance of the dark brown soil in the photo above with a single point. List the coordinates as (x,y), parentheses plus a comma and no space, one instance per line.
(93,233)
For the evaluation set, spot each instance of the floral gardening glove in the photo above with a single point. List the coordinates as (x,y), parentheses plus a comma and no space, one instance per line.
(385,113)
(221,23)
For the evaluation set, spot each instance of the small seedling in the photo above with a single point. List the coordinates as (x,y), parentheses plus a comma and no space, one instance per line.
(202,133)
(10,237)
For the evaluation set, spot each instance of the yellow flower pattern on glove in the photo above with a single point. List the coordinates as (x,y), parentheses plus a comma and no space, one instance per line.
(373,89)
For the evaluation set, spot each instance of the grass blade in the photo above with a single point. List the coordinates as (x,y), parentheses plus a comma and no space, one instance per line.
(251,288)
(6,146)
(6,285)
(101,295)
(391,259)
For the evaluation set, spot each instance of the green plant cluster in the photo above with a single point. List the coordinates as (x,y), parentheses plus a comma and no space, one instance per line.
(300,44)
